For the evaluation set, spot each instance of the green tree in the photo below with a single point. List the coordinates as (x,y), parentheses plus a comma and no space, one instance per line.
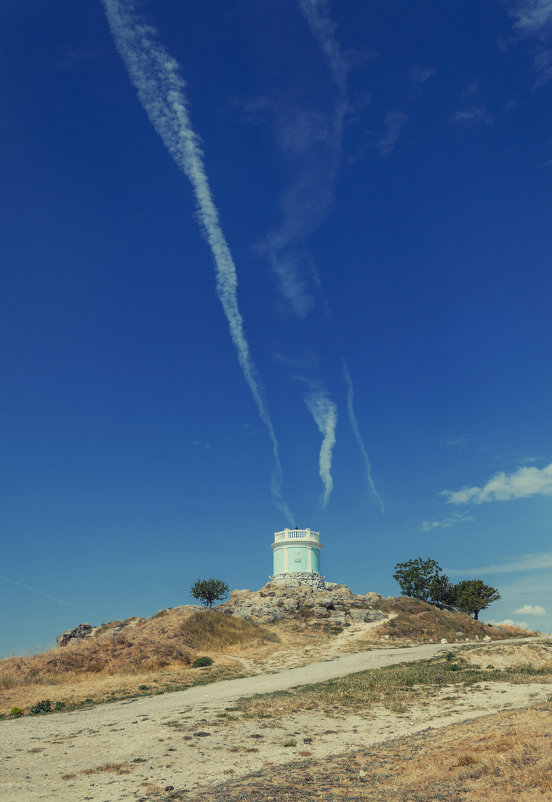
(208,591)
(442,591)
(416,577)
(473,595)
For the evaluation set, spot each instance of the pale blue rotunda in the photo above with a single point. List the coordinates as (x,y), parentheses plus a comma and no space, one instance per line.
(296,551)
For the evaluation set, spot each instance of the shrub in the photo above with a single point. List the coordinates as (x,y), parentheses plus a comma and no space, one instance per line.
(202,661)
(16,712)
(44,706)
(59,706)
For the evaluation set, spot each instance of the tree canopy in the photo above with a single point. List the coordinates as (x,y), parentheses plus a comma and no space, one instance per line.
(415,577)
(473,595)
(422,579)
(208,591)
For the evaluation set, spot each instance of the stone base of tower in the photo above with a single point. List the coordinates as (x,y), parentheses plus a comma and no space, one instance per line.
(296,578)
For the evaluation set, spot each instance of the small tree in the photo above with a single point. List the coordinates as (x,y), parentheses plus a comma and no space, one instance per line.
(473,595)
(416,577)
(209,591)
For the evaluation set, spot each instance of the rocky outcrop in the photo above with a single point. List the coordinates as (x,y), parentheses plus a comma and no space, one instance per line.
(80,632)
(278,600)
(84,631)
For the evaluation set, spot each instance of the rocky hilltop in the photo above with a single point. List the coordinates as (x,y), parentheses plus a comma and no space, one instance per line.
(276,601)
(286,599)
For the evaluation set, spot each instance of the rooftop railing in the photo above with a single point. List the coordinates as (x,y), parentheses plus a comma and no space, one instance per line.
(291,534)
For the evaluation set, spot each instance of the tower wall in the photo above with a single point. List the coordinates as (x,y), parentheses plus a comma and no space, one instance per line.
(296,551)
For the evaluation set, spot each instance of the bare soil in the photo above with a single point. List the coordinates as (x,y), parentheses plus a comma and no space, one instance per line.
(498,758)
(196,739)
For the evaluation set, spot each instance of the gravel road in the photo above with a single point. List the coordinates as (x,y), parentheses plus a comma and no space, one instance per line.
(118,751)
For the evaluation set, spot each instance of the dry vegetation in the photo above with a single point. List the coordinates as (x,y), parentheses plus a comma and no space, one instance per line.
(145,656)
(496,758)
(152,655)
(394,687)
(421,622)
(115,768)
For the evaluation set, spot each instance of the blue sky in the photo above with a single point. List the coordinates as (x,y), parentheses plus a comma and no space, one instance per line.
(265,264)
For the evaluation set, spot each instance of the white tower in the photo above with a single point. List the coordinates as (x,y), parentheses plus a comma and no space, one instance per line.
(296,555)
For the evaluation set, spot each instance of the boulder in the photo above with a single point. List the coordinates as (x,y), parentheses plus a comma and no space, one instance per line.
(80,632)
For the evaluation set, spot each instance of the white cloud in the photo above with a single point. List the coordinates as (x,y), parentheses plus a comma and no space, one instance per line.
(508,622)
(311,138)
(324,413)
(394,121)
(457,518)
(323,30)
(530,609)
(528,562)
(419,75)
(288,267)
(533,18)
(356,431)
(301,129)
(472,107)
(459,441)
(473,114)
(162,93)
(523,483)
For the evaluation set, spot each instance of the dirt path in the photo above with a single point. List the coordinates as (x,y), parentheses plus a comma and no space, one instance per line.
(123,750)
(294,657)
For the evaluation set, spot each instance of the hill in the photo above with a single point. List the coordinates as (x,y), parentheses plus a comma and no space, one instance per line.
(275,627)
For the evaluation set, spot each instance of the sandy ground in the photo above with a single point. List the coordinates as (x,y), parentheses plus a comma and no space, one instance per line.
(121,751)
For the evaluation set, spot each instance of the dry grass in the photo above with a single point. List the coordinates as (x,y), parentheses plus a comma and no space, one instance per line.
(116,768)
(393,687)
(208,630)
(83,690)
(151,655)
(495,758)
(421,622)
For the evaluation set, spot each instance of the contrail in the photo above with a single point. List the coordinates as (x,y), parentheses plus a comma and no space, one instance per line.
(324,413)
(162,93)
(34,590)
(316,153)
(322,29)
(357,434)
